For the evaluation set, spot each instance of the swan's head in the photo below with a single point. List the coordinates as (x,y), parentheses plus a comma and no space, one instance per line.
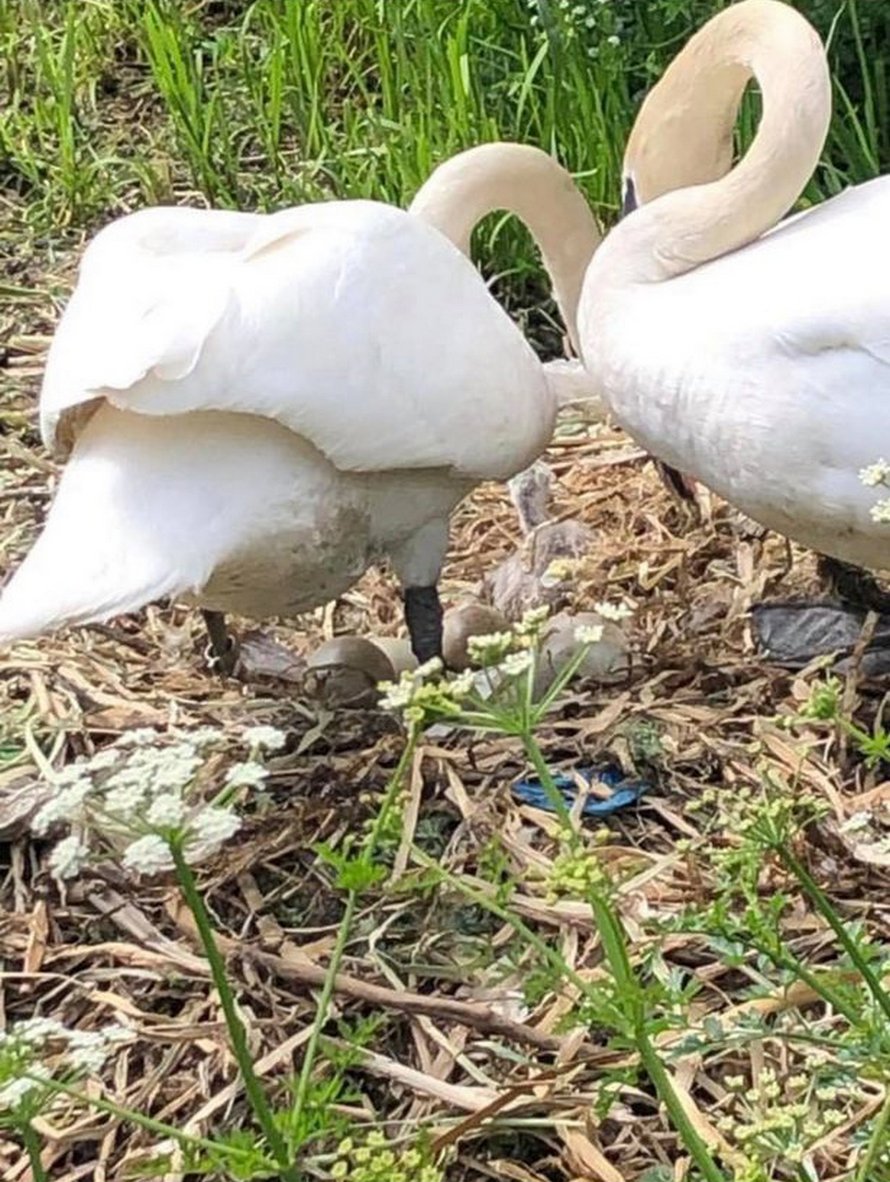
(676,142)
(683,135)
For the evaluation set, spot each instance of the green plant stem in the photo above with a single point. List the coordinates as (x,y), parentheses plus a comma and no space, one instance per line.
(352,900)
(32,1145)
(144,1122)
(628,986)
(324,1002)
(877,1143)
(536,758)
(831,917)
(255,1093)
(630,991)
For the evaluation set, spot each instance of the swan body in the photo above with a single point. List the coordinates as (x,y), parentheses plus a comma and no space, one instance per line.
(254,408)
(757,367)
(749,352)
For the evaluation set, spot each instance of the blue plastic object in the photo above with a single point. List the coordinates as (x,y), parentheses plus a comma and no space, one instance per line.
(624,792)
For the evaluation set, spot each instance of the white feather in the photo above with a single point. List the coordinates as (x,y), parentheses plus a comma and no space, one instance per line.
(257,407)
(766,373)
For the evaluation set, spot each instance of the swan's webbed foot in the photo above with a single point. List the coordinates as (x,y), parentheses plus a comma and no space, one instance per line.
(423,615)
(222,653)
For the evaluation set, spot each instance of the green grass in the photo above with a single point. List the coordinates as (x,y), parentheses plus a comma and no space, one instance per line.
(113,104)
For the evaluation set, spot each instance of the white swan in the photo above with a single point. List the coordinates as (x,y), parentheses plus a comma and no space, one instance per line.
(256,407)
(757,362)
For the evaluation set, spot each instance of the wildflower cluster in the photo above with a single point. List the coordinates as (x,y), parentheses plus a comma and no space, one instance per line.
(874,476)
(372,1160)
(502,693)
(576,873)
(144,793)
(38,1050)
(783,1118)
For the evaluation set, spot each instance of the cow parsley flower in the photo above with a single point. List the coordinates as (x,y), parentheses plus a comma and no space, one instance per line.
(34,1031)
(66,805)
(881,512)
(166,811)
(125,801)
(87,1050)
(104,759)
(491,647)
(264,738)
(875,474)
(246,775)
(214,825)
(68,857)
(616,612)
(589,633)
(140,736)
(148,855)
(515,664)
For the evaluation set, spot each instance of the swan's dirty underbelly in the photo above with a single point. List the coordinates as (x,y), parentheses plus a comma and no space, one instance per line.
(291,572)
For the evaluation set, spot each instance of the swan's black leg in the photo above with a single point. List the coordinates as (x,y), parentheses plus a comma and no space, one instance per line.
(675,481)
(423,615)
(855,586)
(221,653)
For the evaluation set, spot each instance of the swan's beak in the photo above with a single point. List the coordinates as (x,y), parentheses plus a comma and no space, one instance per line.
(629,199)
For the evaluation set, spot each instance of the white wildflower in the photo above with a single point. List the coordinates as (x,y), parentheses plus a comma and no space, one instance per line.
(589,633)
(515,664)
(246,775)
(116,1032)
(613,611)
(532,620)
(68,857)
(460,685)
(166,811)
(881,512)
(13,1093)
(73,774)
(397,694)
(36,1031)
(490,647)
(126,801)
(158,769)
(214,825)
(266,738)
(64,806)
(174,773)
(103,759)
(431,668)
(148,855)
(201,737)
(140,736)
(87,1050)
(875,474)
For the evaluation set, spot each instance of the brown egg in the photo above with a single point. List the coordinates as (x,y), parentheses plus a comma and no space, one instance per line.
(345,671)
(606,661)
(398,650)
(462,622)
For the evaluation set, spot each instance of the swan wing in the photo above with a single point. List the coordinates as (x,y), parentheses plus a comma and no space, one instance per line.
(351,323)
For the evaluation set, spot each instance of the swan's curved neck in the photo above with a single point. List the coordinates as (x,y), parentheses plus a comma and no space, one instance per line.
(530,184)
(763,39)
